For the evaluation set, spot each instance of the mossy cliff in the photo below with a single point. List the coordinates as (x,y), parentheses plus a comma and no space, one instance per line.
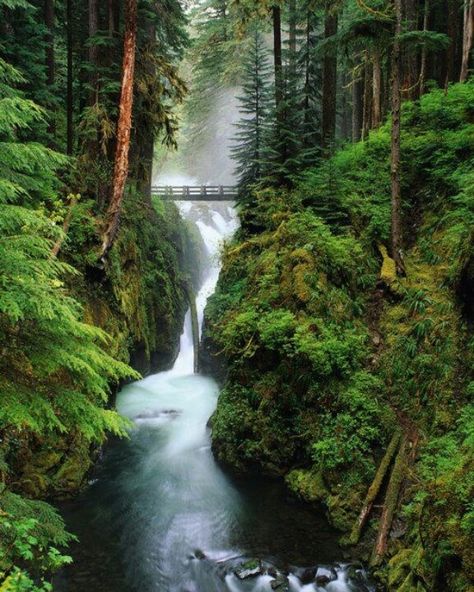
(329,354)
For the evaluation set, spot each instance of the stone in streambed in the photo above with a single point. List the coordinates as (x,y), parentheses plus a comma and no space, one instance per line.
(249,569)
(306,575)
(280,583)
(324,575)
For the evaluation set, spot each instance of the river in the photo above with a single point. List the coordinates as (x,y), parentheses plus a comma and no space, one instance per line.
(159,514)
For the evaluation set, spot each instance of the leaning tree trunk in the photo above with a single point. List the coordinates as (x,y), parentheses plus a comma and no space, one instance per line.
(123,127)
(467,38)
(329,81)
(396,231)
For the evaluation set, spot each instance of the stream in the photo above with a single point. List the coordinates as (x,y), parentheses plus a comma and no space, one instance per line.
(160,515)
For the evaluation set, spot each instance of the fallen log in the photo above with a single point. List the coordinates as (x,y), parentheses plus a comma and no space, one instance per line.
(391,501)
(374,489)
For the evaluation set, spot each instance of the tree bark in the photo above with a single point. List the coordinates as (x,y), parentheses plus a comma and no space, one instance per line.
(69,81)
(374,489)
(329,81)
(423,66)
(292,35)
(467,38)
(396,230)
(92,49)
(49,23)
(357,90)
(123,127)
(277,57)
(452,31)
(49,52)
(367,107)
(376,88)
(390,503)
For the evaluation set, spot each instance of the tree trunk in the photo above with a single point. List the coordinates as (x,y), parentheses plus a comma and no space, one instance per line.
(410,61)
(123,127)
(49,52)
(92,49)
(69,82)
(329,81)
(390,504)
(426,17)
(357,90)
(396,231)
(345,109)
(367,109)
(467,38)
(49,23)
(374,489)
(292,35)
(376,89)
(276,12)
(452,31)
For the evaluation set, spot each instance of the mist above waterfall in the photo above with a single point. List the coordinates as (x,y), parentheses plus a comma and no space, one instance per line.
(207,162)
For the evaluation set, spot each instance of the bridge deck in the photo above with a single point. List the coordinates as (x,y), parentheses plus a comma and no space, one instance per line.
(196,193)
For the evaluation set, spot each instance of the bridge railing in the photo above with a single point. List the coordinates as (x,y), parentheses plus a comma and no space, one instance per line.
(195,192)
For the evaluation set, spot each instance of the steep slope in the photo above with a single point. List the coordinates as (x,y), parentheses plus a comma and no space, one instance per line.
(329,355)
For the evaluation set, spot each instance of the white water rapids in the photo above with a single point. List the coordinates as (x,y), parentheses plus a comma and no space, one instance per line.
(164,517)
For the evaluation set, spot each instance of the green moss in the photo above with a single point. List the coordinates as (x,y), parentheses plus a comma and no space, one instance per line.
(293,313)
(307,485)
(343,508)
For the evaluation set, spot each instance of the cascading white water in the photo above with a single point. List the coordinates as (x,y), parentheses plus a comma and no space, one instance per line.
(164,517)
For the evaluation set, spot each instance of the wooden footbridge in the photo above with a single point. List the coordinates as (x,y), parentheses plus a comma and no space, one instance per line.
(196,193)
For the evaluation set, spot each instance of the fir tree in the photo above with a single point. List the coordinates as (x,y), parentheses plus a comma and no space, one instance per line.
(254,109)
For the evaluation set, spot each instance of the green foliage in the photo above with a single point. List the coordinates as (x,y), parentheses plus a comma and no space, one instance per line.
(55,372)
(30,533)
(254,111)
(323,365)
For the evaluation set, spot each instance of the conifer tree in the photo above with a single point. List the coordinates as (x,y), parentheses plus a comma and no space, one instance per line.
(254,109)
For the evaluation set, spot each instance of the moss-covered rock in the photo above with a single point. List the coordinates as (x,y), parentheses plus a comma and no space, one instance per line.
(308,485)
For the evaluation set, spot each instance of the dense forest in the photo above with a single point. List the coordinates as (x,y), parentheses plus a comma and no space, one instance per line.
(341,327)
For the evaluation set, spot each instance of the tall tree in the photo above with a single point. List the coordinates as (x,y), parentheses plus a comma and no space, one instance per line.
(396,227)
(254,110)
(123,127)
(329,78)
(69,80)
(277,57)
(468,28)
(93,52)
(49,24)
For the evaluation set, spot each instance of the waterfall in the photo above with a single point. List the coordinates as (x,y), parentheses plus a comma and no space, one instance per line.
(162,516)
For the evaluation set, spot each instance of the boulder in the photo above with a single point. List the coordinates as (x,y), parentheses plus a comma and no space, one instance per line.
(280,583)
(306,575)
(249,569)
(324,575)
